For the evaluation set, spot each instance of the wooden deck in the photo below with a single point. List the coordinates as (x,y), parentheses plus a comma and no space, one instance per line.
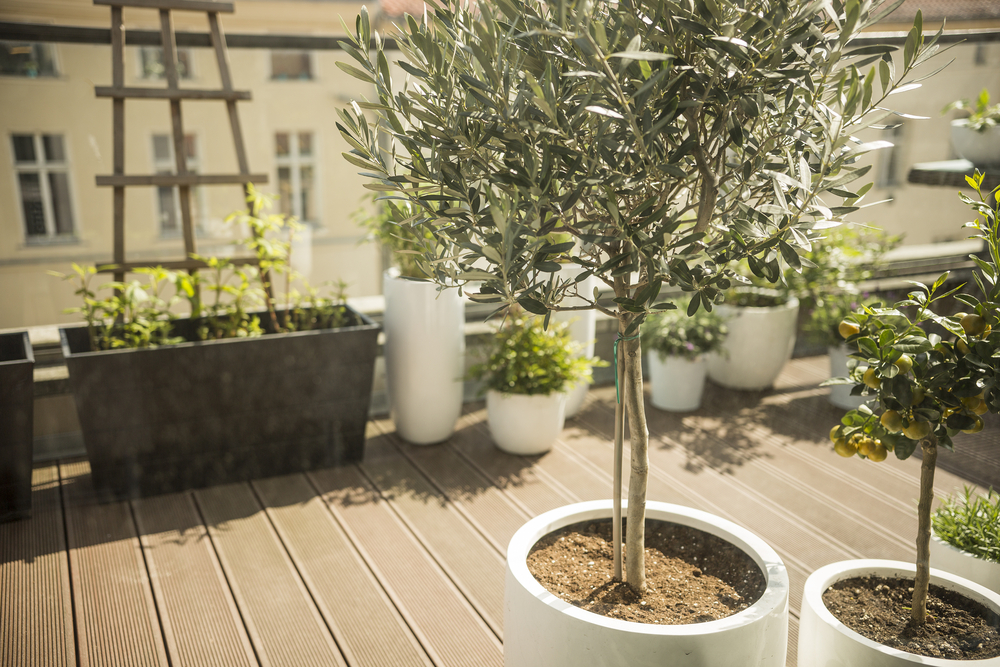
(399,561)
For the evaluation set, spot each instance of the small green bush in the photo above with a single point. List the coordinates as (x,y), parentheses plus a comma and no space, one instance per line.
(673,333)
(971,523)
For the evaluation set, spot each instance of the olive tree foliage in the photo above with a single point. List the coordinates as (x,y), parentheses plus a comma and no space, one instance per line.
(655,141)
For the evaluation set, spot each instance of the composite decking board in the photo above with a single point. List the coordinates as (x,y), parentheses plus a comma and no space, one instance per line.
(36,613)
(283,624)
(200,620)
(475,565)
(369,630)
(116,618)
(448,626)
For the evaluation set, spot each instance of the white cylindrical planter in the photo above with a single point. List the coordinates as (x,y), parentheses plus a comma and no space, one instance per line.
(678,383)
(424,358)
(759,344)
(582,328)
(826,642)
(982,149)
(840,394)
(968,566)
(525,425)
(541,630)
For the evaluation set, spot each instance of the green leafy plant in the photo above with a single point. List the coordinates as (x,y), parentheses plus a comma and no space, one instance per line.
(970,523)
(982,115)
(673,333)
(669,139)
(929,386)
(388,227)
(526,358)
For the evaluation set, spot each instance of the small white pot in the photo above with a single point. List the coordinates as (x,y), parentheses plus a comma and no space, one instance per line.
(969,566)
(678,383)
(424,358)
(840,394)
(757,347)
(541,630)
(982,149)
(525,425)
(826,642)
(582,328)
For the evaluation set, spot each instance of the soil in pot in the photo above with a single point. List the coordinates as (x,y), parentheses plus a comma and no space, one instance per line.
(691,576)
(878,608)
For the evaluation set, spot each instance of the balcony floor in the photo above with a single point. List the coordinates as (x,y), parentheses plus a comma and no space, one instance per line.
(399,561)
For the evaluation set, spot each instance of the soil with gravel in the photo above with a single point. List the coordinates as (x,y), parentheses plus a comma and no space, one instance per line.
(878,608)
(691,576)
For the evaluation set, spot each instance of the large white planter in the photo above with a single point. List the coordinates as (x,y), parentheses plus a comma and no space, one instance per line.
(525,425)
(840,394)
(759,344)
(541,630)
(968,566)
(678,383)
(826,642)
(424,358)
(982,149)
(583,329)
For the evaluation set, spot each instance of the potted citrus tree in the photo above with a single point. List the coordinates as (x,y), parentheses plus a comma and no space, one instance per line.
(527,375)
(926,387)
(668,140)
(676,347)
(965,537)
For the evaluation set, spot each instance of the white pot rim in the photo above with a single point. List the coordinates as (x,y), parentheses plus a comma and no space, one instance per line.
(771,565)
(792,302)
(826,576)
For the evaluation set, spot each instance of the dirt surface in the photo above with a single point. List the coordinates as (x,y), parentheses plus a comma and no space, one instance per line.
(879,608)
(691,576)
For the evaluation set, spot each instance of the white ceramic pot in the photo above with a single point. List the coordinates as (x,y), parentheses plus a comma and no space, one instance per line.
(678,383)
(840,394)
(583,329)
(826,642)
(758,345)
(424,358)
(525,425)
(982,149)
(541,630)
(968,566)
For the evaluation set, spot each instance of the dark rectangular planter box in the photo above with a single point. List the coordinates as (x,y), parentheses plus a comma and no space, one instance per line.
(17,411)
(201,413)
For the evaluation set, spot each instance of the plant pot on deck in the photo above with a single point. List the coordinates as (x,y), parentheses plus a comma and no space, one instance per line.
(525,425)
(17,400)
(759,344)
(826,642)
(969,566)
(201,413)
(677,383)
(840,394)
(541,630)
(982,149)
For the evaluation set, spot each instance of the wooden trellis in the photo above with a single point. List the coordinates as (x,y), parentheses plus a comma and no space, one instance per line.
(183,179)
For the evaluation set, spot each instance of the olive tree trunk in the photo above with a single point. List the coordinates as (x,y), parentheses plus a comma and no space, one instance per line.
(921,583)
(635,542)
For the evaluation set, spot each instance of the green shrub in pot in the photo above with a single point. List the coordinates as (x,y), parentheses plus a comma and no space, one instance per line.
(970,523)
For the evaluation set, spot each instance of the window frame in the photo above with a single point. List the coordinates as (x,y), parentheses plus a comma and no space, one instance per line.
(142,74)
(168,165)
(295,161)
(310,57)
(43,168)
(53,58)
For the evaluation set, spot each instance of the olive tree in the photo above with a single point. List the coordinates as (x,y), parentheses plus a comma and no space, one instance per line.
(656,141)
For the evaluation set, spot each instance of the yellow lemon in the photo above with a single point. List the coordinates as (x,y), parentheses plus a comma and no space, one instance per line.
(962,346)
(904,364)
(835,433)
(892,421)
(975,428)
(917,430)
(918,395)
(872,380)
(844,448)
(878,453)
(848,329)
(973,324)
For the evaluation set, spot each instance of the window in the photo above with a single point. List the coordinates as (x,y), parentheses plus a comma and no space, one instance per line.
(29,59)
(979,57)
(296,173)
(890,167)
(168,201)
(291,65)
(151,63)
(43,181)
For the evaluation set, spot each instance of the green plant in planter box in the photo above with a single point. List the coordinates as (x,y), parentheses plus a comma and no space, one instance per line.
(982,115)
(928,386)
(673,333)
(668,138)
(970,523)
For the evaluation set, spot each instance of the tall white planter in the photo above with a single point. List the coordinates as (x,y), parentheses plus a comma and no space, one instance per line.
(826,642)
(759,344)
(525,425)
(424,358)
(840,394)
(541,630)
(966,565)
(582,328)
(678,383)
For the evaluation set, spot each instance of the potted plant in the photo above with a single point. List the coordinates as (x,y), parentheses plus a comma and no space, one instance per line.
(229,393)
(676,348)
(424,326)
(669,140)
(977,137)
(965,537)
(17,400)
(925,387)
(526,375)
